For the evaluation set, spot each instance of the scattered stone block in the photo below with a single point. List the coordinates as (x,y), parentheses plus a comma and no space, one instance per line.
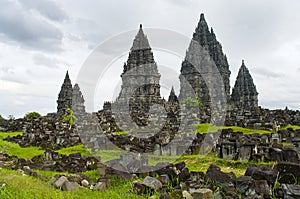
(291,191)
(70,186)
(139,187)
(202,194)
(186,195)
(58,184)
(152,183)
(85,183)
(262,188)
(100,186)
(177,194)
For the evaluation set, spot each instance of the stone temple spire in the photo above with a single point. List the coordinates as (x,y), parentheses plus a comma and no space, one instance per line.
(77,100)
(140,53)
(172,97)
(244,94)
(140,79)
(64,100)
(207,39)
(140,41)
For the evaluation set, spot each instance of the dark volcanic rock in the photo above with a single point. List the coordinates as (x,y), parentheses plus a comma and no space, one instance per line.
(260,172)
(244,94)
(215,174)
(289,173)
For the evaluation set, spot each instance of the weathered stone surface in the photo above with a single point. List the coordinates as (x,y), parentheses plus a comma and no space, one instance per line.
(77,100)
(100,186)
(262,188)
(64,100)
(85,183)
(207,40)
(164,179)
(291,191)
(261,172)
(140,82)
(70,186)
(184,175)
(139,187)
(186,195)
(60,182)
(177,194)
(289,173)
(245,185)
(202,194)
(152,183)
(244,93)
(215,175)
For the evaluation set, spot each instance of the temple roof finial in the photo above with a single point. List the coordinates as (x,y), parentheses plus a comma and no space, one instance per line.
(202,18)
(140,40)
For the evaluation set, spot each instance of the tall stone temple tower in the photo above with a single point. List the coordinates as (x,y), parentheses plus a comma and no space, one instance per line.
(209,47)
(64,100)
(244,94)
(77,100)
(70,97)
(140,81)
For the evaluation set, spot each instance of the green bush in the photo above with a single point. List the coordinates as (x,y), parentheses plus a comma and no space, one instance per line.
(1,118)
(69,117)
(32,115)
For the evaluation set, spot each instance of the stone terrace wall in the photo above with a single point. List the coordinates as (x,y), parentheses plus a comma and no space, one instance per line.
(46,132)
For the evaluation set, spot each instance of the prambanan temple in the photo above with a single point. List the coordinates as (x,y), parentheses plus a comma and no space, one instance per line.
(140,88)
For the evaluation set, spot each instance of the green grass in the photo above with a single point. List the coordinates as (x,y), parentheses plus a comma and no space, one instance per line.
(154,159)
(15,149)
(122,133)
(107,155)
(19,187)
(201,163)
(294,127)
(75,149)
(204,128)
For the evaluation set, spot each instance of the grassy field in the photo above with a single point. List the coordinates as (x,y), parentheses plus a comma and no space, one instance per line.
(19,186)
(15,149)
(204,128)
(294,127)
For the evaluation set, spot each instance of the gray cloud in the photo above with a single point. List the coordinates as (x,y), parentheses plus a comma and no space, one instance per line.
(28,30)
(264,71)
(9,74)
(264,33)
(43,60)
(46,8)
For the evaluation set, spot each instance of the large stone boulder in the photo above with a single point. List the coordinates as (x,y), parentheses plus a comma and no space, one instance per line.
(216,176)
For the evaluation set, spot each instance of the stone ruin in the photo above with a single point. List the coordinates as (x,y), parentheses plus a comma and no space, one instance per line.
(137,97)
(70,97)
(140,81)
(207,39)
(244,94)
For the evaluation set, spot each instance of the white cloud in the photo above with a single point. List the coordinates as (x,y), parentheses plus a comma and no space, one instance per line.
(59,35)
(27,29)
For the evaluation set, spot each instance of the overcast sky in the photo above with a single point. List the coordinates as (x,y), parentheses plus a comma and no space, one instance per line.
(41,39)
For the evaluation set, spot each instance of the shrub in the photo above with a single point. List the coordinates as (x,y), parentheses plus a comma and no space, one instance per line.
(32,115)
(69,117)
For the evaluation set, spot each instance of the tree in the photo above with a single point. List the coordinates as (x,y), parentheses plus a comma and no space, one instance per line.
(32,115)
(1,118)
(193,101)
(69,117)
(11,117)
